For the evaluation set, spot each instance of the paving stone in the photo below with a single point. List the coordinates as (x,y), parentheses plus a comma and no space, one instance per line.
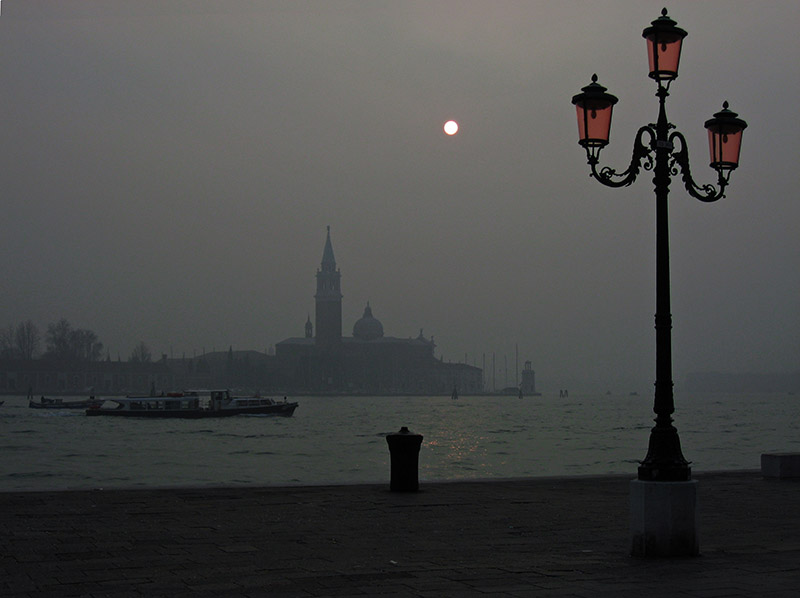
(504,538)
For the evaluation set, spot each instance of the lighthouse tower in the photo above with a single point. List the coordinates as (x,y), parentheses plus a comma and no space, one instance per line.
(528,385)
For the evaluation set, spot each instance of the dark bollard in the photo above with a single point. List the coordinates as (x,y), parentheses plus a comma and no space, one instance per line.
(404,451)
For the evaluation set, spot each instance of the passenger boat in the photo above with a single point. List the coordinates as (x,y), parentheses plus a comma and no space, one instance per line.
(45,403)
(193,404)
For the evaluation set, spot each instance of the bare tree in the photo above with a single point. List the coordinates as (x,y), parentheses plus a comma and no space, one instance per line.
(27,340)
(57,339)
(7,342)
(84,345)
(141,354)
(66,344)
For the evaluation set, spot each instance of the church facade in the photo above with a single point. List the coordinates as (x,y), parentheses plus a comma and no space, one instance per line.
(368,362)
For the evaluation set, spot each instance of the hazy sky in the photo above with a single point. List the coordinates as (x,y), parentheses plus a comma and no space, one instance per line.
(168,169)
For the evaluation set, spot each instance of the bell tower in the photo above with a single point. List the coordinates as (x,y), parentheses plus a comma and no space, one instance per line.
(328,313)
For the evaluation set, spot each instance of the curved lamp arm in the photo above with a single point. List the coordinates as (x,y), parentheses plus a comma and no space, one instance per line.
(707,193)
(641,152)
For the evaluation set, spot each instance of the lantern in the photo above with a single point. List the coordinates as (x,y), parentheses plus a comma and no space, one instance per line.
(594,107)
(664,47)
(725,138)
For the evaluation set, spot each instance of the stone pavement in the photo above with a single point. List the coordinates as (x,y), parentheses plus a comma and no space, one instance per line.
(503,538)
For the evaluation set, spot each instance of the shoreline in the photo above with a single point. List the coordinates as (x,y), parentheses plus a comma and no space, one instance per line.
(370,484)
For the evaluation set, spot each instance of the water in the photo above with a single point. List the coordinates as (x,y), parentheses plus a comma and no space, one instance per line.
(342,440)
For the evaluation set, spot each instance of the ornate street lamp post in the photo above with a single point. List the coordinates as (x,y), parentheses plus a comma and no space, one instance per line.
(655,149)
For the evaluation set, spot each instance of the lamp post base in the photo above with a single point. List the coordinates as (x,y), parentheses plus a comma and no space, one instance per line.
(664,461)
(664,519)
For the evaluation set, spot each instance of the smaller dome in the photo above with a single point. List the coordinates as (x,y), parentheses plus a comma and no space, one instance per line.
(368,328)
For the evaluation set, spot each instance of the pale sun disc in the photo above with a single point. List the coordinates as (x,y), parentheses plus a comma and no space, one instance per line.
(451,127)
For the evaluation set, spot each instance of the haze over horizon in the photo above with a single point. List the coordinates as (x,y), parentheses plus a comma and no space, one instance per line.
(168,169)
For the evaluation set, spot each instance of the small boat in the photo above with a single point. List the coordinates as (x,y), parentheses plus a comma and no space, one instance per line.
(193,404)
(45,403)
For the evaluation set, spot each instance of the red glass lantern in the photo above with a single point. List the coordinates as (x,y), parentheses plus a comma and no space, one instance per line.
(725,138)
(594,108)
(664,47)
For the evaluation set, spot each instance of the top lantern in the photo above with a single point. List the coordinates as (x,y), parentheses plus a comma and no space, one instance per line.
(664,47)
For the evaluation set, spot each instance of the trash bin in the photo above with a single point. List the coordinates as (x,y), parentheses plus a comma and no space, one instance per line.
(404,451)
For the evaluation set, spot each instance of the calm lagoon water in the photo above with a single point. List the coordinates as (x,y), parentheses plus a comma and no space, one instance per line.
(342,440)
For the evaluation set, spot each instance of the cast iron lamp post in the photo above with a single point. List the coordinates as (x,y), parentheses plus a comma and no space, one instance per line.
(654,149)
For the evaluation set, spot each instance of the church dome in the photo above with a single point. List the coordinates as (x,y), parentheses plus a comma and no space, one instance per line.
(367,328)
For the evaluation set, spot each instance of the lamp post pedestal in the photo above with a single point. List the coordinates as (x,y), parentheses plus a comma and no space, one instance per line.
(664,520)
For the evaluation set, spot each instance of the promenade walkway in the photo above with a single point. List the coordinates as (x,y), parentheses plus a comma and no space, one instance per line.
(498,539)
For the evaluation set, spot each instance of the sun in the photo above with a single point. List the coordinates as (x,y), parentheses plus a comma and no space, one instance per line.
(451,127)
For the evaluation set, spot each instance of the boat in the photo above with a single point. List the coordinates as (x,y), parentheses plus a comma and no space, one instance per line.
(192,404)
(45,403)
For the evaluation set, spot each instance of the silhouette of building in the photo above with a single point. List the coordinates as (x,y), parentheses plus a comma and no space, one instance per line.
(368,362)
(47,376)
